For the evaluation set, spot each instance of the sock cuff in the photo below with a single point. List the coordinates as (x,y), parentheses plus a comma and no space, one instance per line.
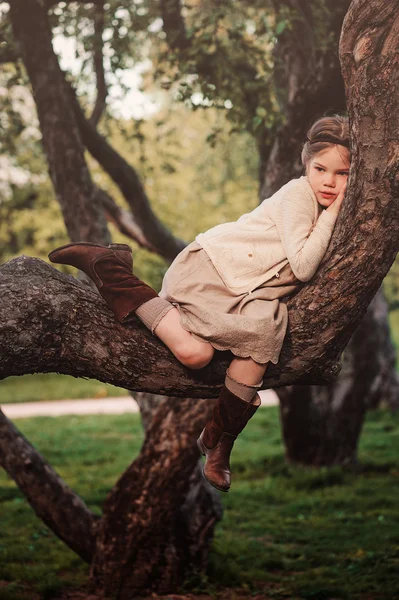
(242,390)
(153,311)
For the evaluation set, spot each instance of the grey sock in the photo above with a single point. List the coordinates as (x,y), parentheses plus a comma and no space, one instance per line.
(152,311)
(242,390)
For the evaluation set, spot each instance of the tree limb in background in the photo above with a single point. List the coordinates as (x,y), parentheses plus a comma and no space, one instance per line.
(173,24)
(123,220)
(52,500)
(126,178)
(318,92)
(70,176)
(295,49)
(98,62)
(385,388)
(321,425)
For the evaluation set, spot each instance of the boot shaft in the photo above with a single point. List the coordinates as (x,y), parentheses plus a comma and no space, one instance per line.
(110,268)
(230,415)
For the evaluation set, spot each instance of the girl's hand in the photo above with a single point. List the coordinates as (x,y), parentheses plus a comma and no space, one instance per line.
(335,207)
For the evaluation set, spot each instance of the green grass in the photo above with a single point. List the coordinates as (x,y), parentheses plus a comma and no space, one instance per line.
(294,532)
(394,325)
(51,386)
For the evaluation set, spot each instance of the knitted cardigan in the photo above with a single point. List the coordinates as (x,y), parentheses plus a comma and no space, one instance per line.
(290,226)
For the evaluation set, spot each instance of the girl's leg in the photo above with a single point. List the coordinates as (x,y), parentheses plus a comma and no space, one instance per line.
(237,403)
(187,349)
(110,268)
(247,371)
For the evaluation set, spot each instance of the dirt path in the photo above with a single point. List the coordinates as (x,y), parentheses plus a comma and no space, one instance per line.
(93,406)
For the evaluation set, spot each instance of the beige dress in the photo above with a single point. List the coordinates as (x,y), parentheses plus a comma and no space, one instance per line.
(249,324)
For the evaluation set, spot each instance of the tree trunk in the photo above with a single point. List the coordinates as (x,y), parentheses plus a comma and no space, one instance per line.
(56,322)
(64,150)
(314,418)
(200,507)
(140,539)
(194,516)
(385,388)
(52,500)
(321,425)
(310,83)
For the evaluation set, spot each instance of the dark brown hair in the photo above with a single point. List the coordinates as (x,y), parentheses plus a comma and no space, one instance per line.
(325,133)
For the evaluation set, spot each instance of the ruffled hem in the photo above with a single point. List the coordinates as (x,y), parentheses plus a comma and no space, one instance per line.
(258,358)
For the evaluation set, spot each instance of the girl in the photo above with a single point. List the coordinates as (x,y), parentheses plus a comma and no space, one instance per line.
(226,290)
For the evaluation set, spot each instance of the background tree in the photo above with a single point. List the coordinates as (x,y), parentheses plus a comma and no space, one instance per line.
(321,425)
(125,544)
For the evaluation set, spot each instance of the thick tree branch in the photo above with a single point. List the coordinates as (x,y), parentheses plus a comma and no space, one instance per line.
(72,331)
(129,505)
(155,233)
(123,220)
(52,500)
(98,61)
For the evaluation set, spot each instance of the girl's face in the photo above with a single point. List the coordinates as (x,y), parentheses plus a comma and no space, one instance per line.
(327,172)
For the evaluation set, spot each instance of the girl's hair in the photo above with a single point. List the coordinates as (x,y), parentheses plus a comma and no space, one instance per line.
(325,133)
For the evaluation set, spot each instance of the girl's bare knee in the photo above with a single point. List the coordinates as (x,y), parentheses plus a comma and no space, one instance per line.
(196,355)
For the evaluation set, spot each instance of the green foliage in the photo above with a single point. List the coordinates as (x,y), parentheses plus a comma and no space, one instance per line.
(287,532)
(191,186)
(391,287)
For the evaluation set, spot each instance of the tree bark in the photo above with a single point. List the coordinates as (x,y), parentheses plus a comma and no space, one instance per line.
(50,322)
(63,323)
(52,500)
(313,86)
(138,543)
(321,425)
(71,179)
(311,418)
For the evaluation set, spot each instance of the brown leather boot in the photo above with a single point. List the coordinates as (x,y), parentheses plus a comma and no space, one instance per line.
(110,268)
(216,441)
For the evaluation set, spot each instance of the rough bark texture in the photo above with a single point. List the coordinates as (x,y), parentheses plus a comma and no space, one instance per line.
(311,90)
(138,526)
(200,507)
(50,322)
(52,500)
(158,237)
(321,426)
